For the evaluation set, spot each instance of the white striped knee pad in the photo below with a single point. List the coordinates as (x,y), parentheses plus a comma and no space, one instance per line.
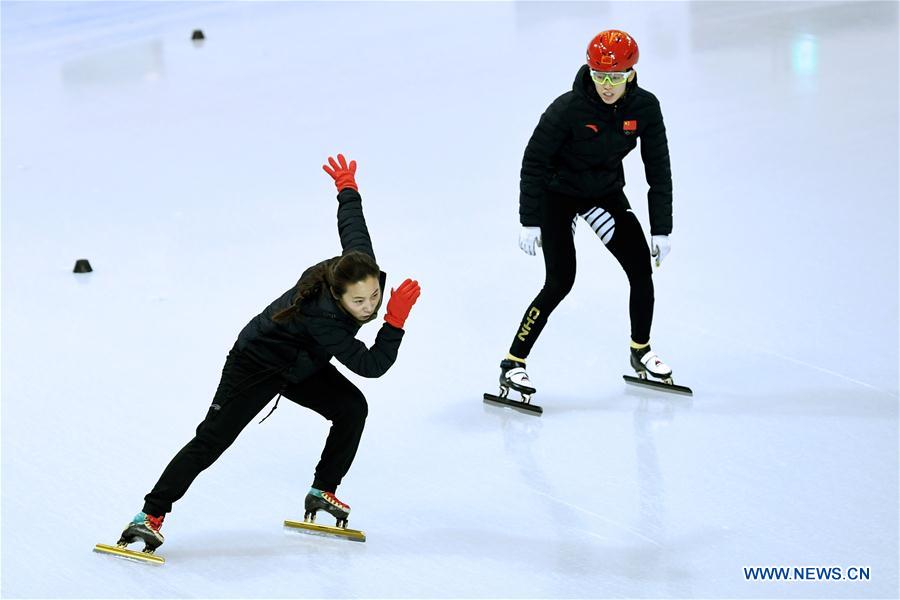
(601,222)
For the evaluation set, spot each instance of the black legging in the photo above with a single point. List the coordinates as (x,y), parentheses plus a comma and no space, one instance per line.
(245,388)
(627,244)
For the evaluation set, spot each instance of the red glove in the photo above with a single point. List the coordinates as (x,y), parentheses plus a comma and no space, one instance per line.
(344,176)
(401,302)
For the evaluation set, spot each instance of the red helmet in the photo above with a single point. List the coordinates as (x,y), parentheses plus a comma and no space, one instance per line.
(612,50)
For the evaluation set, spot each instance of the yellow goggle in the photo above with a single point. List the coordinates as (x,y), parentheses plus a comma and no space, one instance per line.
(613,77)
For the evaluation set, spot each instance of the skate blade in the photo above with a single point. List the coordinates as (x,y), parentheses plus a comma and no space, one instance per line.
(316,529)
(143,557)
(525,407)
(659,385)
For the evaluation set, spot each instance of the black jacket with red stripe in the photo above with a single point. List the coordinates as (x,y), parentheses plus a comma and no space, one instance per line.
(322,329)
(578,146)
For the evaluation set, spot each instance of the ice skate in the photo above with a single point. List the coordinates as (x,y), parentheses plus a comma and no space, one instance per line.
(143,528)
(317,500)
(514,377)
(646,362)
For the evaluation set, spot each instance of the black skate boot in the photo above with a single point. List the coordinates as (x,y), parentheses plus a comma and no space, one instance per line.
(644,361)
(143,528)
(317,500)
(513,376)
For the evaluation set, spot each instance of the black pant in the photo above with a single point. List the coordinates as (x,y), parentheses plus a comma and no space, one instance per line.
(627,244)
(244,390)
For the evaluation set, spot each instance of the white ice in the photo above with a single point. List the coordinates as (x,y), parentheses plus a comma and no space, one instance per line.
(190,177)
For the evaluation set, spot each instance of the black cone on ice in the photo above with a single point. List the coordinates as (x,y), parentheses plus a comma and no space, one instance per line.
(82,266)
(198,35)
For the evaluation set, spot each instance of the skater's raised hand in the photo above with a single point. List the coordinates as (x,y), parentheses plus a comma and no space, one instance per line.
(401,302)
(529,237)
(659,247)
(344,175)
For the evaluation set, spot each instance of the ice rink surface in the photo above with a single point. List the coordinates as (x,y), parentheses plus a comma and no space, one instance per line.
(189,175)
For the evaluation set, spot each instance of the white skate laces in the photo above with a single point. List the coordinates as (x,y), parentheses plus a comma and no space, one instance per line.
(655,364)
(332,500)
(518,376)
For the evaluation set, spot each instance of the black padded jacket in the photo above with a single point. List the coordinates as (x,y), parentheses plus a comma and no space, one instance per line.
(322,329)
(577,148)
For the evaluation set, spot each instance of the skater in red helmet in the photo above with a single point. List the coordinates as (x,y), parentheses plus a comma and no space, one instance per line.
(572,168)
(286,351)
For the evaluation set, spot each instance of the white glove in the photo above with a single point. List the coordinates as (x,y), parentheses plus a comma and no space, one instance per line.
(528,238)
(659,247)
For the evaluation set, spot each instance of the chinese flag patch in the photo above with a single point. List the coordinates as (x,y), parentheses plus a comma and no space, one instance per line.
(629,126)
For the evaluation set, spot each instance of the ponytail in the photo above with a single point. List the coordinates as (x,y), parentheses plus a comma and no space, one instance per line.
(336,273)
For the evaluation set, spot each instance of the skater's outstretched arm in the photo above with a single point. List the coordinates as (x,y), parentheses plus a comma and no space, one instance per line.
(655,154)
(352,353)
(537,163)
(351,221)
